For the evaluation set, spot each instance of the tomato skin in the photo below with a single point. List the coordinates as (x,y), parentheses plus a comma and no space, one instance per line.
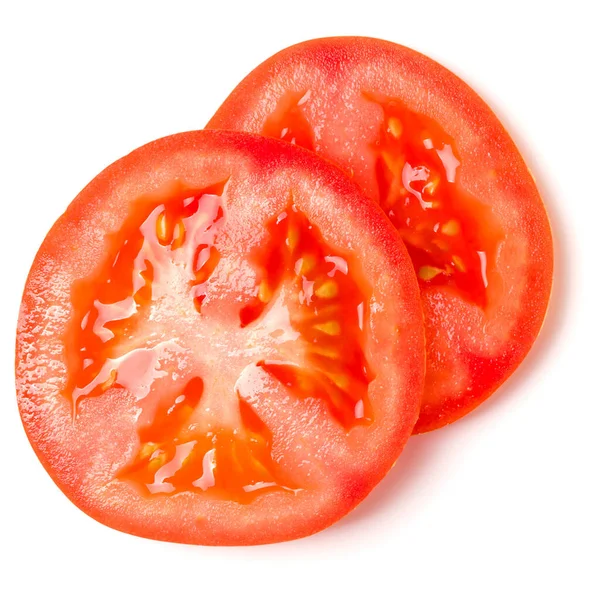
(463,368)
(83,455)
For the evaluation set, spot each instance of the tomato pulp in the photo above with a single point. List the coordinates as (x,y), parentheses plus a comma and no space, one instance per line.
(432,154)
(220,342)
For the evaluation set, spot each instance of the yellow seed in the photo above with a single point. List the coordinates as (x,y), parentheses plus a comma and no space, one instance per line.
(306,264)
(393,162)
(189,459)
(185,412)
(328,289)
(161,228)
(304,384)
(432,186)
(158,461)
(342,381)
(293,237)
(452,227)
(326,352)
(264,292)
(459,264)
(241,457)
(335,397)
(109,382)
(395,127)
(178,235)
(327,311)
(258,469)
(147,450)
(441,244)
(413,238)
(329,327)
(427,273)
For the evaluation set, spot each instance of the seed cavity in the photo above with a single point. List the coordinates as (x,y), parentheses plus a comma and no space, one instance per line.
(319,309)
(417,171)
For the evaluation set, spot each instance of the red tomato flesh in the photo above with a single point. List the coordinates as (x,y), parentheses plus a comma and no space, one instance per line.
(429,151)
(220,342)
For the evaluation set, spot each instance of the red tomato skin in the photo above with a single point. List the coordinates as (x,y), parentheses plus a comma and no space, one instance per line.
(61,447)
(484,145)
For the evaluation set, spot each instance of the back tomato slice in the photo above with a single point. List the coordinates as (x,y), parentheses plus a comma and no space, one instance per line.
(220,342)
(422,144)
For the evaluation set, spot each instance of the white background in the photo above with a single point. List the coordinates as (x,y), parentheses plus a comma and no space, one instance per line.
(503,504)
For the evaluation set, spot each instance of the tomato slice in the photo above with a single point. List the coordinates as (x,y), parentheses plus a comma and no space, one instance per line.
(220,342)
(422,144)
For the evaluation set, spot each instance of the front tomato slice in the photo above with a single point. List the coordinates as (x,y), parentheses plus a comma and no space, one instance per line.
(220,342)
(432,154)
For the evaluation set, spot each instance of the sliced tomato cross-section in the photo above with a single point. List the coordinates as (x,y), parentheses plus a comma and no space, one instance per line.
(431,153)
(220,342)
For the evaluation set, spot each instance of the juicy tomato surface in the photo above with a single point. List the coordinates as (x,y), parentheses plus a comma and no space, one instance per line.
(421,143)
(220,342)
